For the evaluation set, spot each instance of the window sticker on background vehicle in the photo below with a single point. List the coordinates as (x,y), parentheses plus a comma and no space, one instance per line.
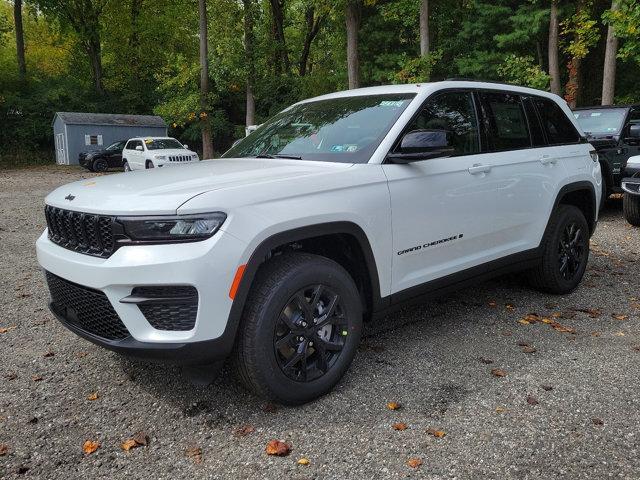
(337,148)
(348,147)
(148,141)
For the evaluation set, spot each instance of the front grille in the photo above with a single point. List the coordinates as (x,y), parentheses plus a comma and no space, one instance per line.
(171,307)
(81,232)
(180,158)
(85,308)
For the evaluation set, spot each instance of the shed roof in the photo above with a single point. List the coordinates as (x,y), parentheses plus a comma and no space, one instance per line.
(82,118)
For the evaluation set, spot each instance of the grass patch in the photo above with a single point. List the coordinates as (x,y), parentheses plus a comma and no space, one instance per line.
(22,159)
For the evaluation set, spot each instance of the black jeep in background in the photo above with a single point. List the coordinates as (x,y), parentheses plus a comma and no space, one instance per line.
(102,160)
(614,131)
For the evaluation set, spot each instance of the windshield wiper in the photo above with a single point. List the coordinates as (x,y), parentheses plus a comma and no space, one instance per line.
(278,155)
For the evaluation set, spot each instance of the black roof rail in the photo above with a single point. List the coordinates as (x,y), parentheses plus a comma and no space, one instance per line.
(597,107)
(465,79)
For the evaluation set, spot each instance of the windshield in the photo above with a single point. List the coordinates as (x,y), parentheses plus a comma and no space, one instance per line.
(162,143)
(116,146)
(346,129)
(601,120)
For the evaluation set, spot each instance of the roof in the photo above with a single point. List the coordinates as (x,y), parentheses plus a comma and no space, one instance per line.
(82,118)
(600,107)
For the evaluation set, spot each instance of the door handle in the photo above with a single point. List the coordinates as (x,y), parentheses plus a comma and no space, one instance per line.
(548,160)
(479,168)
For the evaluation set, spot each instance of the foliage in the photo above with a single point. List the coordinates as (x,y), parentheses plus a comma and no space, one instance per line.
(523,71)
(626,23)
(580,33)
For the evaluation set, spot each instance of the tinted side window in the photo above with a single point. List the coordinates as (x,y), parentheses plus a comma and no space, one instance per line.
(129,145)
(455,113)
(535,128)
(504,121)
(557,126)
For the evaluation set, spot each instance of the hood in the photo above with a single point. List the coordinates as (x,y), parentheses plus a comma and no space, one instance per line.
(170,151)
(161,191)
(601,141)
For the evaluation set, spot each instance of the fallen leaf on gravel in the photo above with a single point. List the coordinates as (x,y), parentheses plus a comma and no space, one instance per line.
(436,433)
(528,349)
(11,376)
(592,312)
(49,354)
(562,328)
(522,344)
(244,431)
(597,421)
(393,406)
(194,453)
(141,438)
(4,449)
(303,461)
(492,303)
(497,372)
(509,306)
(500,409)
(399,426)
(7,329)
(414,462)
(270,408)
(129,444)
(81,354)
(547,388)
(486,361)
(90,446)
(278,448)
(36,378)
(93,396)
(595,334)
(619,316)
(532,400)
(619,334)
(523,321)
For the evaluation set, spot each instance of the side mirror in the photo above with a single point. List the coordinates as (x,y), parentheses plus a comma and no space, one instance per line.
(419,145)
(634,131)
(186,146)
(139,148)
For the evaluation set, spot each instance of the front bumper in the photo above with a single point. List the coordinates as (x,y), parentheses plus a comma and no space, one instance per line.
(209,266)
(631,185)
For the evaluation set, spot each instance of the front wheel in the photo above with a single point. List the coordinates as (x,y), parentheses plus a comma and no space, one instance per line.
(100,165)
(126,166)
(565,252)
(300,329)
(149,164)
(631,209)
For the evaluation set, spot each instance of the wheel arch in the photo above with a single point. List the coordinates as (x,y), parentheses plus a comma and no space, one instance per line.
(581,195)
(322,239)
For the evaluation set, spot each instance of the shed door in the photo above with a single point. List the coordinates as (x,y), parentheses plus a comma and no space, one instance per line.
(60,154)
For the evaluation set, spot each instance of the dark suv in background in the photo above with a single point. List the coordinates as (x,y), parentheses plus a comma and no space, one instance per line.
(104,159)
(614,131)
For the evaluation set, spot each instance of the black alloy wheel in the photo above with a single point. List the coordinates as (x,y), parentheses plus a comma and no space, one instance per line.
(571,249)
(310,333)
(100,165)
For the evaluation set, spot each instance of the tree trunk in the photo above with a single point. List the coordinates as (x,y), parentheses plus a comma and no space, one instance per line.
(424,28)
(312,26)
(281,53)
(134,40)
(554,63)
(207,142)
(17,16)
(353,25)
(94,51)
(250,118)
(609,73)
(572,89)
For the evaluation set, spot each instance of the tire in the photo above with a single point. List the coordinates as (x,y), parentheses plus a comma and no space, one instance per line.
(126,167)
(149,164)
(266,344)
(563,264)
(631,209)
(100,165)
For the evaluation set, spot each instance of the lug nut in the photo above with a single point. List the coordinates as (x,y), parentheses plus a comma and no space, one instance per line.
(311,344)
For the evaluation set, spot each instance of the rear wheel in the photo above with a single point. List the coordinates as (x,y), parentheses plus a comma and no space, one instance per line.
(300,329)
(565,252)
(631,209)
(100,165)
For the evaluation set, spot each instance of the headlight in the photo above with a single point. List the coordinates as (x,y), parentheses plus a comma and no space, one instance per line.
(160,157)
(195,155)
(594,155)
(173,228)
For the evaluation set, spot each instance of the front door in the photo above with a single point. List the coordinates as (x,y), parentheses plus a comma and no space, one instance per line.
(443,208)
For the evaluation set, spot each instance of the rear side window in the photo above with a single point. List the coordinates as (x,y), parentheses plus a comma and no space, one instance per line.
(504,121)
(556,125)
(535,127)
(453,112)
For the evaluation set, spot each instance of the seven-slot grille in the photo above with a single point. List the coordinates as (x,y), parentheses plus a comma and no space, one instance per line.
(81,232)
(180,158)
(85,308)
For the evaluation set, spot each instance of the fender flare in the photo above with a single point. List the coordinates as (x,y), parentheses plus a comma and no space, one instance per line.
(573,187)
(261,254)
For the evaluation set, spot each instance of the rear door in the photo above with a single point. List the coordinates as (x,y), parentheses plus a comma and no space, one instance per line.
(525,168)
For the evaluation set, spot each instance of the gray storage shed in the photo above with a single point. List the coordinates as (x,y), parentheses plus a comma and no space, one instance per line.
(76,132)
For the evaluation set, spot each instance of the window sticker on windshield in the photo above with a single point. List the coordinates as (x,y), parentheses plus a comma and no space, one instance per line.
(391,103)
(337,148)
(595,114)
(351,148)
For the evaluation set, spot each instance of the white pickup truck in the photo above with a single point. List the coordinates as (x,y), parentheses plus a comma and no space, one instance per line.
(337,210)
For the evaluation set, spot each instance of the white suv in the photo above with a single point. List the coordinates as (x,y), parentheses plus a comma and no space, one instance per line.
(336,210)
(150,152)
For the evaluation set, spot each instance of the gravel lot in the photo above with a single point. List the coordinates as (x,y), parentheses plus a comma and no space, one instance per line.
(435,360)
